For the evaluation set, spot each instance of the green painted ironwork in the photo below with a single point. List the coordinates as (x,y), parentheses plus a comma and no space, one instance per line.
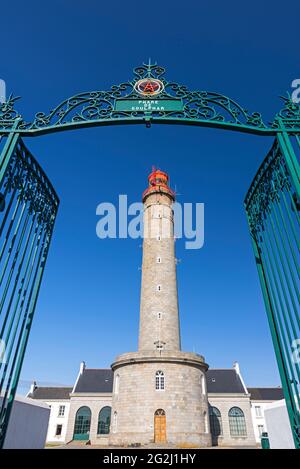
(28,206)
(273,211)
(176,104)
(82,424)
(26,223)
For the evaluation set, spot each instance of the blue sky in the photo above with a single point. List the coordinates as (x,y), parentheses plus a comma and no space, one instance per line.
(89,303)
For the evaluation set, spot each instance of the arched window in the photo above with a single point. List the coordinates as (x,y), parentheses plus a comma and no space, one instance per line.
(203,386)
(205,422)
(82,424)
(104,421)
(237,422)
(159,381)
(117,384)
(215,420)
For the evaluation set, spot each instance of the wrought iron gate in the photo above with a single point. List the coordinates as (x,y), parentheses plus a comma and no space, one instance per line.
(28,205)
(273,211)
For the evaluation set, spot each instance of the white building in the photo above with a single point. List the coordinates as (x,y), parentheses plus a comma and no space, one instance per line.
(260,399)
(58,400)
(279,429)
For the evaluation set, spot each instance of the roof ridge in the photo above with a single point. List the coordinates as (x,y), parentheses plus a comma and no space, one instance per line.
(58,386)
(264,387)
(223,369)
(98,369)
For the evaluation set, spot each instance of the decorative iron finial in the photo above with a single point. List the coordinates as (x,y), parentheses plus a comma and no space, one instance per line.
(150,66)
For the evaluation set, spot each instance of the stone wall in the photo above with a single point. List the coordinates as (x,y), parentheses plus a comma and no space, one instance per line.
(95,402)
(184,400)
(224,403)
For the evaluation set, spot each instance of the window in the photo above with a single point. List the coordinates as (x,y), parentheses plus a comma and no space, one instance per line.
(215,421)
(237,423)
(258,412)
(104,421)
(205,422)
(82,423)
(158,288)
(159,381)
(117,384)
(203,387)
(158,237)
(58,430)
(260,430)
(158,260)
(61,410)
(159,315)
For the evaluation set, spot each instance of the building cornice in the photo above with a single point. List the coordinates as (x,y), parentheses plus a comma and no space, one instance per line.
(91,394)
(178,357)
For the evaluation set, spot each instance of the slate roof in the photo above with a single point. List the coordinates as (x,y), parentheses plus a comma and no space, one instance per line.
(95,380)
(224,381)
(266,394)
(48,393)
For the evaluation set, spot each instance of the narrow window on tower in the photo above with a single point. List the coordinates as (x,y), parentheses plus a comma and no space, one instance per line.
(117,384)
(158,237)
(203,387)
(158,288)
(158,260)
(159,381)
(205,422)
(159,315)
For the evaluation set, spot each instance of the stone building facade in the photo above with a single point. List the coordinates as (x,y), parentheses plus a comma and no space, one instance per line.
(93,389)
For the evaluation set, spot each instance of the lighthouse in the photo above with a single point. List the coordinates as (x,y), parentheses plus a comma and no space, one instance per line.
(159,318)
(159,392)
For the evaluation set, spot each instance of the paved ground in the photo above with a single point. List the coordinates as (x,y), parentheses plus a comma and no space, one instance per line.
(148,447)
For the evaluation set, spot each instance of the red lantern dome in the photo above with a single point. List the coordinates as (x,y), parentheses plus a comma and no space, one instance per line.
(158,183)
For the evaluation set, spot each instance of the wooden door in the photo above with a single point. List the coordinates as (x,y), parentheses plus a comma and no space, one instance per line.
(160,427)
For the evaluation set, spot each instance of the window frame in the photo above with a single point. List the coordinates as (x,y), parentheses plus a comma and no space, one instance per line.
(59,425)
(258,411)
(237,422)
(215,420)
(61,414)
(160,382)
(103,427)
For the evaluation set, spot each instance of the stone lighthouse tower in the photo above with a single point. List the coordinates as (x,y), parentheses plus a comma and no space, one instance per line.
(159,393)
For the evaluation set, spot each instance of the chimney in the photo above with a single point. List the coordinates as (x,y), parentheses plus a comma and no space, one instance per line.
(33,387)
(236,367)
(82,367)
